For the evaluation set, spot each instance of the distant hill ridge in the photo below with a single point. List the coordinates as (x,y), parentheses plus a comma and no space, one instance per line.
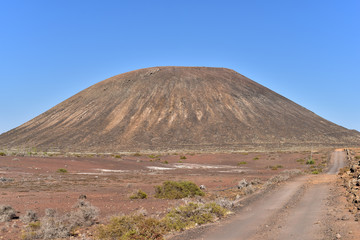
(176,108)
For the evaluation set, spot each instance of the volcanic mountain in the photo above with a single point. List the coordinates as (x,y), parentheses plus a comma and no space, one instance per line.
(176,108)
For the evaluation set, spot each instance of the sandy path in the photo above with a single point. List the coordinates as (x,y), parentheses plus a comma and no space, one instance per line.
(303,221)
(338,161)
(297,210)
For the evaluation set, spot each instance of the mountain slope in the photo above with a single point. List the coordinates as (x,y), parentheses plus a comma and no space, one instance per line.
(175,108)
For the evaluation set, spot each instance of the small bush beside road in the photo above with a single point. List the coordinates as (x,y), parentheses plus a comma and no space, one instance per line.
(177,190)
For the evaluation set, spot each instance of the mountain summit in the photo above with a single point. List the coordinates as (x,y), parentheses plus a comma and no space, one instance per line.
(177,108)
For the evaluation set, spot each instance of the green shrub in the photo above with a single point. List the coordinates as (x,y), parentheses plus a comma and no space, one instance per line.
(131,227)
(153,156)
(276,167)
(315,172)
(141,227)
(137,155)
(356,157)
(187,216)
(310,161)
(177,190)
(35,225)
(300,161)
(166,162)
(216,209)
(139,195)
(256,158)
(61,170)
(2,154)
(117,156)
(241,163)
(31,231)
(273,167)
(182,157)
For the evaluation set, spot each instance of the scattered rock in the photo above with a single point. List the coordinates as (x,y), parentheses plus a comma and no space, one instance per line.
(202,187)
(352,185)
(338,236)
(2,179)
(225,203)
(142,211)
(82,196)
(256,181)
(249,189)
(243,183)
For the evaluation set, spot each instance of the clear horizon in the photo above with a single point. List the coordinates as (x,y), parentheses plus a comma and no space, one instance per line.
(307,51)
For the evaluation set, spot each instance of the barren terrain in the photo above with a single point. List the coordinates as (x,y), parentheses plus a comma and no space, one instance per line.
(33,182)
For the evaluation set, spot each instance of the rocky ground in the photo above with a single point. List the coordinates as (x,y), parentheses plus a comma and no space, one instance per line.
(351,181)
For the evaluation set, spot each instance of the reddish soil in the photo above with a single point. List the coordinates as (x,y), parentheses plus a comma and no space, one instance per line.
(108,181)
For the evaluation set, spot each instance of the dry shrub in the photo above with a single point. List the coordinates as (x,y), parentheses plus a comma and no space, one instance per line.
(7,213)
(193,214)
(343,170)
(30,216)
(84,215)
(53,225)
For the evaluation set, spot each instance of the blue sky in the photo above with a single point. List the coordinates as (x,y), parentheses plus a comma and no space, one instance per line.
(306,50)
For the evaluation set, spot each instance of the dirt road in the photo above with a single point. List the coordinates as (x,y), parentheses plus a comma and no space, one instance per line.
(297,210)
